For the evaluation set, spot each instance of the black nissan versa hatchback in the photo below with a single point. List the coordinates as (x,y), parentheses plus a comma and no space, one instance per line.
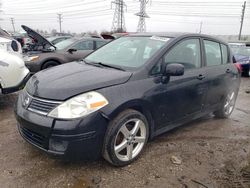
(125,93)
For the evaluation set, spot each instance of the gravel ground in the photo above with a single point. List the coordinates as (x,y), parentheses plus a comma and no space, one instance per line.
(209,152)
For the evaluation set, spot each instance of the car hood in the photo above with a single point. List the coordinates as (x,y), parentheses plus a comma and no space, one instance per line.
(39,39)
(65,81)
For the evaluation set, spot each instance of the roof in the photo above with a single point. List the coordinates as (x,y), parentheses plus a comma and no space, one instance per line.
(176,34)
(162,34)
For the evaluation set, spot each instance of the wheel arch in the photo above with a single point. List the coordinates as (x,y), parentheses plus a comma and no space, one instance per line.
(52,59)
(141,106)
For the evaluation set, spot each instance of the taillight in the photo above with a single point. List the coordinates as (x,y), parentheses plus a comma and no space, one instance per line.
(238,66)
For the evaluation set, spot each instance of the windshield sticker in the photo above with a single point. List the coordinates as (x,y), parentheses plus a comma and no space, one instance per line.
(159,38)
(4,64)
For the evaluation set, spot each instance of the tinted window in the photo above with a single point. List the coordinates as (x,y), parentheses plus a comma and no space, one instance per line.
(186,53)
(84,45)
(99,44)
(224,52)
(213,53)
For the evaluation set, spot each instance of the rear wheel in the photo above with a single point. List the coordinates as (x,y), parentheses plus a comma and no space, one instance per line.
(49,64)
(126,137)
(228,106)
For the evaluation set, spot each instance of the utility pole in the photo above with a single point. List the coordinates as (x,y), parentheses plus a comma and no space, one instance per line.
(200,27)
(60,21)
(118,23)
(13,24)
(142,15)
(242,18)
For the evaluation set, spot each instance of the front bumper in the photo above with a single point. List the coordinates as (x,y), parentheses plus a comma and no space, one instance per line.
(66,139)
(18,86)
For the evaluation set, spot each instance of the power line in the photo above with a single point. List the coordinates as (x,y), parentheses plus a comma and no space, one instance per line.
(118,23)
(142,15)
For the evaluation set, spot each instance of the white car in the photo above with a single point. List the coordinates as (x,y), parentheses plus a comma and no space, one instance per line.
(10,45)
(13,73)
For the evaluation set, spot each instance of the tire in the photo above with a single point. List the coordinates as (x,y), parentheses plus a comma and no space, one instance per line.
(49,64)
(228,106)
(246,73)
(128,133)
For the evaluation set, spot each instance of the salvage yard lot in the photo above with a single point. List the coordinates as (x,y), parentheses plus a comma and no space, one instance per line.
(210,152)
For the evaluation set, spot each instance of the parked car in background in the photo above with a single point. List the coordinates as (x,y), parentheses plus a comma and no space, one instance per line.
(13,73)
(241,54)
(48,55)
(118,35)
(23,39)
(125,93)
(8,43)
(54,40)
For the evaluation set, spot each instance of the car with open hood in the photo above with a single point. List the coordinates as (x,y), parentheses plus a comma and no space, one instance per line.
(43,54)
(126,93)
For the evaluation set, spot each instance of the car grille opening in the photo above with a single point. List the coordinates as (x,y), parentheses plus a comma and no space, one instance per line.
(42,106)
(33,137)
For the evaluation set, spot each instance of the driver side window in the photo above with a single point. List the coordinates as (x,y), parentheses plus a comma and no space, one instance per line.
(186,52)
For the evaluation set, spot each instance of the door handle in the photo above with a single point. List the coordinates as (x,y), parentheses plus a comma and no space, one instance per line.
(200,77)
(228,71)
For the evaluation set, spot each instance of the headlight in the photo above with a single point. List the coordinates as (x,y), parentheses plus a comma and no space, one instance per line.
(30,58)
(79,106)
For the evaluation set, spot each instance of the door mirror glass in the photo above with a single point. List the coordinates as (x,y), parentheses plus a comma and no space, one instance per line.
(174,69)
(71,50)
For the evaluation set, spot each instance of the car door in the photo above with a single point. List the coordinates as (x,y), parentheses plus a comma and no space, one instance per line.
(181,96)
(216,71)
(83,48)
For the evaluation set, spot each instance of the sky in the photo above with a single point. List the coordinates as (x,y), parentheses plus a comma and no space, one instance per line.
(220,17)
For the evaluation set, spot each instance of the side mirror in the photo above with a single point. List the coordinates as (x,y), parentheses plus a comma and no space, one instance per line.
(174,69)
(71,50)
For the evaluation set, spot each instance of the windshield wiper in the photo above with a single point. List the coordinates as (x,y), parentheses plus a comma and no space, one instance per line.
(100,64)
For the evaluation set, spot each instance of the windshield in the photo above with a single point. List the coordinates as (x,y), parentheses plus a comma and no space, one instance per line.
(64,44)
(240,50)
(128,52)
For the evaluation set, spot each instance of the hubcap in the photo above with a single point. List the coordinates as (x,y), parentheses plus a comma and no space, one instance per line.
(130,139)
(229,104)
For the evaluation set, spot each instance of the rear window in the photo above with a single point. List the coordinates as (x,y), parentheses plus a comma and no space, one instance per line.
(213,53)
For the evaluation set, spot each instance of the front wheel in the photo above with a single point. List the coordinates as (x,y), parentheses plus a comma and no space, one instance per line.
(49,64)
(125,138)
(228,106)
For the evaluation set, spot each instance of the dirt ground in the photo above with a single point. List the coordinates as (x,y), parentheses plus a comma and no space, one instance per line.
(210,153)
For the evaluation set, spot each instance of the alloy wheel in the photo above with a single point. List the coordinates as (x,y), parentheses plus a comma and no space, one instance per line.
(229,104)
(130,139)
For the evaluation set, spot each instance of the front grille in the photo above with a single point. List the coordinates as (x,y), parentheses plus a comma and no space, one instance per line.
(33,137)
(37,105)
(42,106)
